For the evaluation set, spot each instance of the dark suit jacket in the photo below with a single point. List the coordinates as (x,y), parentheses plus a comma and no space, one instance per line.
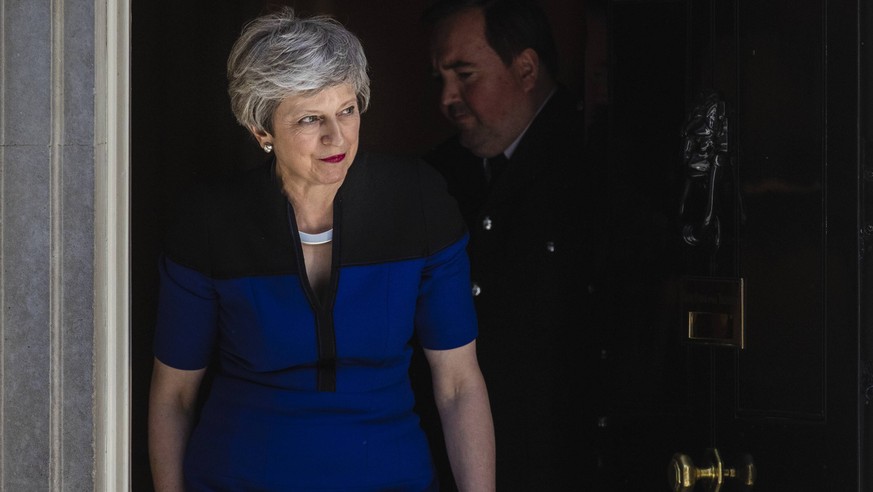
(534,254)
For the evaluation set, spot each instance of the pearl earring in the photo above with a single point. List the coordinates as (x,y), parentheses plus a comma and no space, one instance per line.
(268,147)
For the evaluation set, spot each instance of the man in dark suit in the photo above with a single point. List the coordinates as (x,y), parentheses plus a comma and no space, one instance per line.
(518,171)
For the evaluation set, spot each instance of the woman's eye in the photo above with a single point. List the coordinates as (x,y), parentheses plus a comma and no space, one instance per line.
(349,110)
(306,120)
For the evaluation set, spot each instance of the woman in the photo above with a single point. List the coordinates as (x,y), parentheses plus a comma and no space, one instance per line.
(309,277)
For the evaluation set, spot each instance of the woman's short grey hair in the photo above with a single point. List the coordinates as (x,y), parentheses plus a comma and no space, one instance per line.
(281,54)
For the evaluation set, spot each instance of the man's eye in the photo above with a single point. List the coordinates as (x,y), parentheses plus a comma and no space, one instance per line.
(464,75)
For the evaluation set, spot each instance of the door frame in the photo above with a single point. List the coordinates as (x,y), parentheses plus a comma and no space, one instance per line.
(112,375)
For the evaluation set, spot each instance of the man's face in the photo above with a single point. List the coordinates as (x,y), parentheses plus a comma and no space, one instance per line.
(484,98)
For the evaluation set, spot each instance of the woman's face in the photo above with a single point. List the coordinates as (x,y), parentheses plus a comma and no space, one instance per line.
(315,137)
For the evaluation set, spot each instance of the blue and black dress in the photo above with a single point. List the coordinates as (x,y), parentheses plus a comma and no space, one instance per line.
(313,393)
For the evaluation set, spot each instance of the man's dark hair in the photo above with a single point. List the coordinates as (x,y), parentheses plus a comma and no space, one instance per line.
(511,26)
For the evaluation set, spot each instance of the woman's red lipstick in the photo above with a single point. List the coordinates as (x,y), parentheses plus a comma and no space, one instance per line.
(334,158)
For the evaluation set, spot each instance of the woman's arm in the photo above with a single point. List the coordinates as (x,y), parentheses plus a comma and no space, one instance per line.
(172,399)
(462,401)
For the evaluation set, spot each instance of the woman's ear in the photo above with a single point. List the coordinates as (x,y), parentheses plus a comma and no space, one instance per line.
(527,68)
(262,136)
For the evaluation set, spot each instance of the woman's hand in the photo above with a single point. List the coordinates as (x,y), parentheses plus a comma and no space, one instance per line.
(462,400)
(172,399)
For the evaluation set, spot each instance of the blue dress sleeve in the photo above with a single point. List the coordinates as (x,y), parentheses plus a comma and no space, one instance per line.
(187,321)
(445,317)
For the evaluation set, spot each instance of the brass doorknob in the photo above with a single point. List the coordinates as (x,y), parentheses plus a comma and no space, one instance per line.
(683,475)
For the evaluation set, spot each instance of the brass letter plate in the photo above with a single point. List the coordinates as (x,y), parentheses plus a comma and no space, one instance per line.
(713,310)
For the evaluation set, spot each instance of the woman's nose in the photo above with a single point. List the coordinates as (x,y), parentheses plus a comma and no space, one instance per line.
(333,134)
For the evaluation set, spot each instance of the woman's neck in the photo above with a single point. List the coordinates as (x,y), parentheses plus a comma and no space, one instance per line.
(313,205)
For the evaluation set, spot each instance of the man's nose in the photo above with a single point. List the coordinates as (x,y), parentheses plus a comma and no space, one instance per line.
(450,93)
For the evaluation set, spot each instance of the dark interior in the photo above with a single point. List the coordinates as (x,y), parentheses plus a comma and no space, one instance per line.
(791,199)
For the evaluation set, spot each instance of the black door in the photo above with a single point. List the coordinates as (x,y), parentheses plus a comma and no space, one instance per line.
(739,312)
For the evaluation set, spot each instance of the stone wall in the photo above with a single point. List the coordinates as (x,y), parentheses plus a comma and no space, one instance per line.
(47,162)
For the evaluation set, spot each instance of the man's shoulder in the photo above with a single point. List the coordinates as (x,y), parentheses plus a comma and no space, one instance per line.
(555,139)
(559,121)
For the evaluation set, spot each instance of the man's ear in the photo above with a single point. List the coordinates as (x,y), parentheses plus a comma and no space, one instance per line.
(527,68)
